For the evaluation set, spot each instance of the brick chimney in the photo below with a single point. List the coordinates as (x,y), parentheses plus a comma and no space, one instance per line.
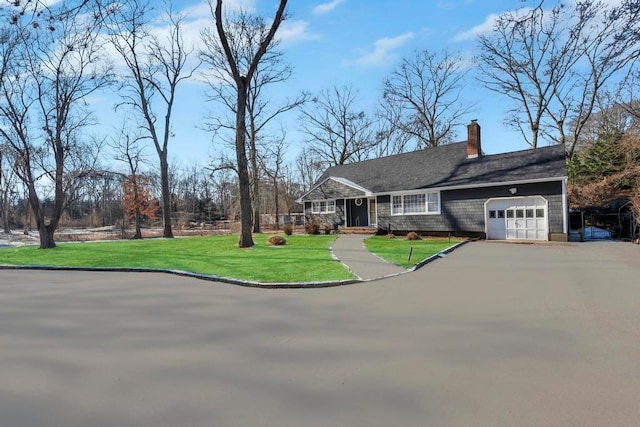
(473,140)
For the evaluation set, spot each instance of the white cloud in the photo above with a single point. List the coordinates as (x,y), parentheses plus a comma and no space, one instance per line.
(384,50)
(295,31)
(327,7)
(489,23)
(484,28)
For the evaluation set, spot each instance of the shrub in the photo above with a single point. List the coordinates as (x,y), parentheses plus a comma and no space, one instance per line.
(413,236)
(312,227)
(390,236)
(327,229)
(288,229)
(276,241)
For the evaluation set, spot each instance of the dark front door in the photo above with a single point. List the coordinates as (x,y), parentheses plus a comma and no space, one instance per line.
(358,214)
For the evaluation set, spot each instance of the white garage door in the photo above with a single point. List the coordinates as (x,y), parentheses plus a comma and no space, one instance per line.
(517,218)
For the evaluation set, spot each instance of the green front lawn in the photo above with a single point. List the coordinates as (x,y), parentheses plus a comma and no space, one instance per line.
(303,258)
(396,251)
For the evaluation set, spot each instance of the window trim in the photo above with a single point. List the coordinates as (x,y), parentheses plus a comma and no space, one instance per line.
(413,193)
(328,203)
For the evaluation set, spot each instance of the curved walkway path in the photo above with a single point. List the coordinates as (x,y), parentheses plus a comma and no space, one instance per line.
(349,249)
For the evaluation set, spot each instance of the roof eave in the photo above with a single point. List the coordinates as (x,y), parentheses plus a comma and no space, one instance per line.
(480,185)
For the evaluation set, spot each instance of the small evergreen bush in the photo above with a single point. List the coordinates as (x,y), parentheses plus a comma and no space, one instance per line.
(288,229)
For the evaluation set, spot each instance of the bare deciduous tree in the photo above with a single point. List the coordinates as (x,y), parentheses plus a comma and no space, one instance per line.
(128,150)
(155,68)
(245,32)
(629,93)
(7,188)
(243,54)
(338,132)
(554,63)
(273,165)
(423,96)
(308,170)
(389,136)
(50,71)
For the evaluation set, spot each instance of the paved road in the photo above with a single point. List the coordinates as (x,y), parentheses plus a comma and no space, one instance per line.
(491,335)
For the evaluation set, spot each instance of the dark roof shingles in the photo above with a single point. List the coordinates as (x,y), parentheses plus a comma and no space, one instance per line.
(448,165)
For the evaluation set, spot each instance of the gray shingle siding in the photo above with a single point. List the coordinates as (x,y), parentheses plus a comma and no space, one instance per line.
(463,210)
(332,189)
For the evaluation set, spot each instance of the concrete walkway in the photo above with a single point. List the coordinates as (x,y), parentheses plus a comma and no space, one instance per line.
(350,250)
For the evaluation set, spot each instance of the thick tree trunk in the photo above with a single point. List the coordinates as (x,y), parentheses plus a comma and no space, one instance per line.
(4,213)
(138,224)
(46,236)
(246,238)
(166,197)
(44,230)
(138,234)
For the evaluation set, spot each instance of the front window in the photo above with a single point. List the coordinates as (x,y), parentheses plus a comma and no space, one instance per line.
(414,204)
(396,205)
(323,206)
(433,202)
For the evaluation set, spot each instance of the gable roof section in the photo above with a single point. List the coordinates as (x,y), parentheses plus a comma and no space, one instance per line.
(351,184)
(339,180)
(448,166)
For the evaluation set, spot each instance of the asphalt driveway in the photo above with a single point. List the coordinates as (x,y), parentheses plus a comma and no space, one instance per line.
(493,334)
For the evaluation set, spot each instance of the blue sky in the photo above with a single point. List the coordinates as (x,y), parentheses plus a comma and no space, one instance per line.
(350,42)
